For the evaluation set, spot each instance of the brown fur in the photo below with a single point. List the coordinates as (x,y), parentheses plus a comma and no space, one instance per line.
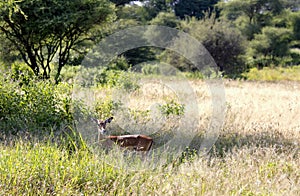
(132,142)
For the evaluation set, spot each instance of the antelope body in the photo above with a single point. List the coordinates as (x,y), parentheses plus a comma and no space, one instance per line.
(133,142)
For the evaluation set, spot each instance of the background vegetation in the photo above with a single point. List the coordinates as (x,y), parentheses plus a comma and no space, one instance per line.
(43,149)
(238,34)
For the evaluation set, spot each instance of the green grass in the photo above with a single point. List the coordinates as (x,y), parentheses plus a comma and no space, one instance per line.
(257,152)
(44,168)
(274,74)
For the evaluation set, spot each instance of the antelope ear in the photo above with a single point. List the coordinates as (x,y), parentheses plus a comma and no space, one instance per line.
(95,120)
(109,120)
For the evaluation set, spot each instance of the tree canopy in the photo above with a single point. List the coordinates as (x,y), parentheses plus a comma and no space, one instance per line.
(249,15)
(196,8)
(48,34)
(49,30)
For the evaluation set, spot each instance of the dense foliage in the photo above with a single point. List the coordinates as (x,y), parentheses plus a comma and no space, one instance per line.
(28,105)
(196,8)
(238,34)
(269,27)
(49,31)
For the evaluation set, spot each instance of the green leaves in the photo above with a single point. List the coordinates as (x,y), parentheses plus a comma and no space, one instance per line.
(35,106)
(251,15)
(273,42)
(172,108)
(50,28)
(194,8)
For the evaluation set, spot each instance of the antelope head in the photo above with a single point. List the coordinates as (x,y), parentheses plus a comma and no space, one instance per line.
(101,125)
(136,142)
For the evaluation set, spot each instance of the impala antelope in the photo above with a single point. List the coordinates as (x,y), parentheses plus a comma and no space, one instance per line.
(135,142)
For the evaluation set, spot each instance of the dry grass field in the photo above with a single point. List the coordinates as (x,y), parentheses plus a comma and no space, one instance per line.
(257,151)
(253,109)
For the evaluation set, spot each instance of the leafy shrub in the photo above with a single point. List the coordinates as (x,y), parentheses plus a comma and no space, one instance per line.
(119,64)
(165,19)
(140,116)
(95,76)
(119,79)
(127,81)
(208,74)
(293,58)
(274,74)
(150,69)
(104,109)
(35,106)
(172,108)
(194,75)
(68,73)
(271,44)
(224,43)
(21,72)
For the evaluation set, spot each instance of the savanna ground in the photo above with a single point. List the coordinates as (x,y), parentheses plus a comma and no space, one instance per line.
(257,152)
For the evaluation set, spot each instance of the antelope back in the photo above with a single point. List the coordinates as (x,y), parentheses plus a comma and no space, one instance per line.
(134,142)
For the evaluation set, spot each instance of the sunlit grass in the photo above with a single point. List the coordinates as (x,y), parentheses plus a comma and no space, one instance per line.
(257,152)
(274,74)
(46,169)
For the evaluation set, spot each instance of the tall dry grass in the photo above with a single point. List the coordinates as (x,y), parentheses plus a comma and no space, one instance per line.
(269,111)
(257,151)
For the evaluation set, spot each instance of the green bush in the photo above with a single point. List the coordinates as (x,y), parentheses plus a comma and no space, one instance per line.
(172,108)
(225,44)
(116,78)
(35,106)
(194,75)
(150,69)
(21,72)
(104,77)
(274,74)
(139,116)
(68,73)
(270,46)
(119,64)
(104,109)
